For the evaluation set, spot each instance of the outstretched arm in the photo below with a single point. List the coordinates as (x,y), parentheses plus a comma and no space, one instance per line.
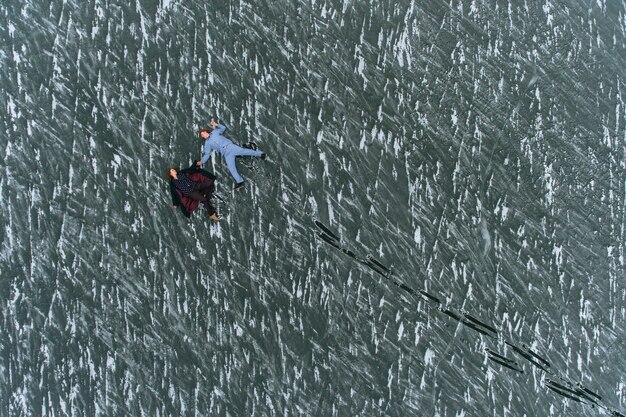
(208,175)
(208,147)
(219,128)
(206,155)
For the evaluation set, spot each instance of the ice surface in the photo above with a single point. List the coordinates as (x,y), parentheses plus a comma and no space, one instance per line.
(476,148)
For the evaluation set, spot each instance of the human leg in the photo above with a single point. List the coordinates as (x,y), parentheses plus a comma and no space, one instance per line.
(239,151)
(232,166)
(198,194)
(205,188)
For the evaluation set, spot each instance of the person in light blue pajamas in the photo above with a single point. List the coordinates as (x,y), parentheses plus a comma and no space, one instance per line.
(215,141)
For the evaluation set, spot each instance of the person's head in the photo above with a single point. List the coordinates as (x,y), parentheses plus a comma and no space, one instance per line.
(172,172)
(204,133)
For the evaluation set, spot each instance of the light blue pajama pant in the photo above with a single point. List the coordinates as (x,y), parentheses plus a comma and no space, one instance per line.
(231,152)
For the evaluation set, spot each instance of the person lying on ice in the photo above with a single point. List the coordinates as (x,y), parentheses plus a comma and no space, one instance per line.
(190,187)
(214,141)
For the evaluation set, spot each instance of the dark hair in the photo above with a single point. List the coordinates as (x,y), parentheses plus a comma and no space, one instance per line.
(204,129)
(168,175)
